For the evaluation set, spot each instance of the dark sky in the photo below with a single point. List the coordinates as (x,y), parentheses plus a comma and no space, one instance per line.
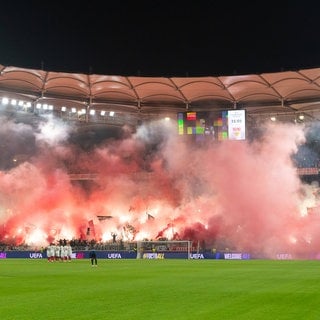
(160,38)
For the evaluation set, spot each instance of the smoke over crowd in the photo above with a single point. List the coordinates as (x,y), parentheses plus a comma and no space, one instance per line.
(151,183)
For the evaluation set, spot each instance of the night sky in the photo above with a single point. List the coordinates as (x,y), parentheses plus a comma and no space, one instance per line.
(160,38)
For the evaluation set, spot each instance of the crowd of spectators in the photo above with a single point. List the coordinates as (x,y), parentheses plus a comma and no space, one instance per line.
(76,244)
(88,245)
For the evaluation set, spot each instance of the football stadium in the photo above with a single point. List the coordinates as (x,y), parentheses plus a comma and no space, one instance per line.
(199,195)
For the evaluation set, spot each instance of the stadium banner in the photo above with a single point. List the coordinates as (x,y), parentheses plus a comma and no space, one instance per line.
(75,255)
(157,255)
(236,256)
(127,255)
(284,256)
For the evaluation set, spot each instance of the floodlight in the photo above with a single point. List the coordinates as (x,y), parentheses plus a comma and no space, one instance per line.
(5,100)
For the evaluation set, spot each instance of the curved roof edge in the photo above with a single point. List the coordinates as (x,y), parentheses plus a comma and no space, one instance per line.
(284,93)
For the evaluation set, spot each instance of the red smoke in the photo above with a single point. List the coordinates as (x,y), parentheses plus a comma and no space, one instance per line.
(151,184)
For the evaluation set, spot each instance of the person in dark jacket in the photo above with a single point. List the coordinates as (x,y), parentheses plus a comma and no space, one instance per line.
(93,258)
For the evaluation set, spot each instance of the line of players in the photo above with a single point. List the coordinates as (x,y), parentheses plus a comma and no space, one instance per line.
(58,252)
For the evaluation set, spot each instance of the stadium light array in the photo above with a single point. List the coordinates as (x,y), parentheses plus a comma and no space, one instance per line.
(14,102)
(69,112)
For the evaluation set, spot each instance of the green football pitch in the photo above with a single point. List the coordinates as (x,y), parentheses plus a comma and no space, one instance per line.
(160,289)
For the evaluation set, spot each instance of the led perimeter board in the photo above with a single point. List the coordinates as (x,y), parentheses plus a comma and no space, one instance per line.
(213,125)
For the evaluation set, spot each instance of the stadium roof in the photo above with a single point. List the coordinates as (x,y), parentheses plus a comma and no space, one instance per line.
(286,94)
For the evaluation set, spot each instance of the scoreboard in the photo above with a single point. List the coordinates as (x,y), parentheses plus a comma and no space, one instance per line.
(223,125)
